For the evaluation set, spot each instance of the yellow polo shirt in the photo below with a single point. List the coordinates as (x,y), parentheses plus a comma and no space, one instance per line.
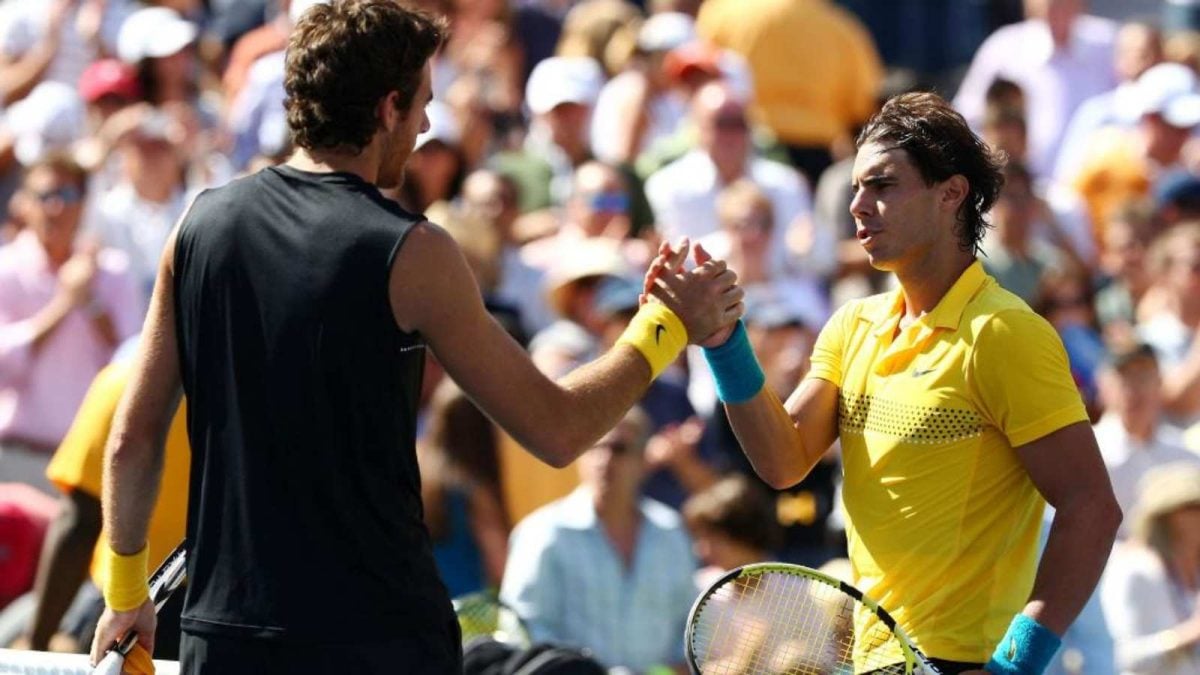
(943,520)
(78,464)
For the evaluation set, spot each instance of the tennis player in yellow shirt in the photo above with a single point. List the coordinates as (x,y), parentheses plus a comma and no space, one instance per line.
(956,411)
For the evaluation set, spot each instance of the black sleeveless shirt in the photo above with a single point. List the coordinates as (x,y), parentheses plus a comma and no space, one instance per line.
(305,516)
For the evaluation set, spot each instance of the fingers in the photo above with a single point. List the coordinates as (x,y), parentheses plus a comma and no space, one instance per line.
(105,637)
(700,255)
(734,312)
(732,296)
(676,259)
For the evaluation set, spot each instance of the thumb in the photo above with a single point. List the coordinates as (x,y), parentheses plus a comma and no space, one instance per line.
(702,256)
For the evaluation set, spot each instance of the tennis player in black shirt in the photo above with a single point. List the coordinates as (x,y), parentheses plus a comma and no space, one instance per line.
(293,308)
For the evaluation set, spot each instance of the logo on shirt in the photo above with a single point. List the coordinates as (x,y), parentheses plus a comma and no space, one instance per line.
(919,373)
(658,330)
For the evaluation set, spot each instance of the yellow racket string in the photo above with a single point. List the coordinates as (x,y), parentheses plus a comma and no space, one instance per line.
(779,622)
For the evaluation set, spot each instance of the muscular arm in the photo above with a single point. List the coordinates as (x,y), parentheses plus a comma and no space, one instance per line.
(783,442)
(433,292)
(133,457)
(1067,469)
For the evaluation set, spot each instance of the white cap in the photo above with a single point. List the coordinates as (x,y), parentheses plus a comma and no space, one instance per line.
(153,32)
(442,125)
(299,7)
(665,31)
(1171,90)
(52,117)
(563,79)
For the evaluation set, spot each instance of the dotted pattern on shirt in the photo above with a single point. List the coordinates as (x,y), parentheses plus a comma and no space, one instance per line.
(859,413)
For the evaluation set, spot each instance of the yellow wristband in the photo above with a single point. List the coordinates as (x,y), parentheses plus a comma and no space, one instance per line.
(657,334)
(126,587)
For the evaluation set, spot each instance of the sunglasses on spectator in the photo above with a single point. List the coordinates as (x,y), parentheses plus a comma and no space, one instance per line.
(67,194)
(608,202)
(731,123)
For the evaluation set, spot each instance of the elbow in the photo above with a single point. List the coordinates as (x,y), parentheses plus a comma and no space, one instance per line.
(557,451)
(1113,516)
(777,477)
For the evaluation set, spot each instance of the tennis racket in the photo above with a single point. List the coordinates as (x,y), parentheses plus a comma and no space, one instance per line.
(771,618)
(166,579)
(482,614)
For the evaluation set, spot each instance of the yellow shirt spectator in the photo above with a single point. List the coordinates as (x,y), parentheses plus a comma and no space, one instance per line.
(943,520)
(78,464)
(1115,173)
(815,68)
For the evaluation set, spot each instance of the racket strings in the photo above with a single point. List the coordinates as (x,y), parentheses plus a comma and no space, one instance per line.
(783,623)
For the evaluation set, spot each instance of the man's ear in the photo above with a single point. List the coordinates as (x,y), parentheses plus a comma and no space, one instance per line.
(954,191)
(387,111)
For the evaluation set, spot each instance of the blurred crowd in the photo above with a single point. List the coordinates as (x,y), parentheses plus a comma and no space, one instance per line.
(567,139)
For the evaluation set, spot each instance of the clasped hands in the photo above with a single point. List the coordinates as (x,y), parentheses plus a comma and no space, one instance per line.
(706,298)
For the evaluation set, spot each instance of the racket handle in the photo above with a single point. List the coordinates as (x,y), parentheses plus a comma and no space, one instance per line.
(111,664)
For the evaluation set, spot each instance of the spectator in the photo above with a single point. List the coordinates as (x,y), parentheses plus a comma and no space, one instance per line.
(460,488)
(1124,267)
(560,93)
(605,568)
(570,290)
(51,119)
(160,43)
(683,194)
(1066,299)
(598,208)
(492,197)
(637,107)
(1059,56)
(1169,315)
(1125,165)
(1014,257)
(1150,587)
(138,213)
(816,101)
(437,167)
(1139,47)
(1132,435)
(64,307)
(732,524)
(52,41)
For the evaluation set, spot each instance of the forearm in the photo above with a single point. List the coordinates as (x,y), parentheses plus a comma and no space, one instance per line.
(66,553)
(1147,653)
(132,471)
(770,440)
(1081,538)
(587,403)
(21,75)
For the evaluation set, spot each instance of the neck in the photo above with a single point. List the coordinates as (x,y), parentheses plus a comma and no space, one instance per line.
(365,164)
(924,284)
(154,188)
(617,512)
(729,170)
(56,255)
(1139,428)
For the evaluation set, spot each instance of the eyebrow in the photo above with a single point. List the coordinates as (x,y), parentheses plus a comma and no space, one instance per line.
(872,179)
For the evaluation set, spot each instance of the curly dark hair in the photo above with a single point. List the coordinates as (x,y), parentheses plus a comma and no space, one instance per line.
(343,58)
(940,144)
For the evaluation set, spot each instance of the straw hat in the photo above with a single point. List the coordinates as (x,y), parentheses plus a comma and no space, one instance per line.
(1161,491)
(593,257)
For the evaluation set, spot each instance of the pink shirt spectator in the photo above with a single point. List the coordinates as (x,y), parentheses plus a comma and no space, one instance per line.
(40,391)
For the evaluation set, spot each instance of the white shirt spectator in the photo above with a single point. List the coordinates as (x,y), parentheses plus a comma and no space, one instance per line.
(1055,82)
(1128,459)
(1140,601)
(684,193)
(126,222)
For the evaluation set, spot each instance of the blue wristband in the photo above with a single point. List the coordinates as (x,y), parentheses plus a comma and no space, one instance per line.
(1026,648)
(735,368)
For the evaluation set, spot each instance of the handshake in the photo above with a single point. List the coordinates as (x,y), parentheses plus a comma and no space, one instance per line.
(706,298)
